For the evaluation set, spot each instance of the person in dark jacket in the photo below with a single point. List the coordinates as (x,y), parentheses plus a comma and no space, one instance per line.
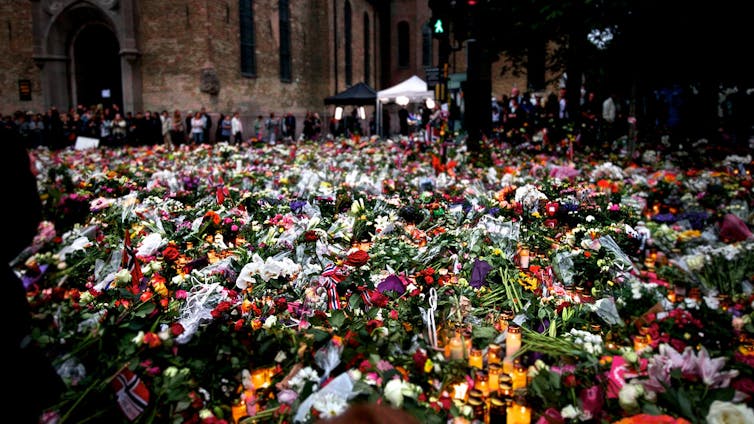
(33,383)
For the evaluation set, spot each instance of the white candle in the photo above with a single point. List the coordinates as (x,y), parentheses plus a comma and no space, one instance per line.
(512,340)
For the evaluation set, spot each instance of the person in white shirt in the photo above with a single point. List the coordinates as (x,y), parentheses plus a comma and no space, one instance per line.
(237,128)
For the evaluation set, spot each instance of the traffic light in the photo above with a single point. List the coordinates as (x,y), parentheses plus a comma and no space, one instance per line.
(440,16)
(438,28)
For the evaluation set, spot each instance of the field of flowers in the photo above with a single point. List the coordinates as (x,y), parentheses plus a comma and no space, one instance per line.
(283,283)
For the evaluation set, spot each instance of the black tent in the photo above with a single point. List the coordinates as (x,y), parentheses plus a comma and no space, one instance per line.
(358,94)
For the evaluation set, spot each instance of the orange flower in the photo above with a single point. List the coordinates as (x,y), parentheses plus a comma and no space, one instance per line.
(651,419)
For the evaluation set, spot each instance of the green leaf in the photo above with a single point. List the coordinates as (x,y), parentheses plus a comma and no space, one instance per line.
(337,318)
(145,310)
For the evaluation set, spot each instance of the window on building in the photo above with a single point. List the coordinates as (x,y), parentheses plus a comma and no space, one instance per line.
(284,11)
(403,45)
(367,49)
(248,57)
(426,45)
(348,38)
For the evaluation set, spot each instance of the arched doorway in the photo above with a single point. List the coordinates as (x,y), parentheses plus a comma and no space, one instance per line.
(82,47)
(96,67)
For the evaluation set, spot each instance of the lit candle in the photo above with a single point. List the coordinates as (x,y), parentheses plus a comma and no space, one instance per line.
(523,257)
(475,359)
(640,343)
(493,378)
(494,353)
(238,411)
(671,294)
(518,413)
(512,340)
(519,376)
(260,378)
(508,365)
(481,383)
(505,318)
(460,390)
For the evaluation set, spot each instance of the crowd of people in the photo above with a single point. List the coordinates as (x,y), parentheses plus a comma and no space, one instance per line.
(58,129)
(598,120)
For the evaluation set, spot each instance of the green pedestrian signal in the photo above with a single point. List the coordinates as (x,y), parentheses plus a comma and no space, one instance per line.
(438,28)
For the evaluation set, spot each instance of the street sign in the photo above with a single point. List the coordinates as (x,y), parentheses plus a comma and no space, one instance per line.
(432,75)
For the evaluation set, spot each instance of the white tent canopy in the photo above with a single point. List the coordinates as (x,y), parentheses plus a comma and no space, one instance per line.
(414,89)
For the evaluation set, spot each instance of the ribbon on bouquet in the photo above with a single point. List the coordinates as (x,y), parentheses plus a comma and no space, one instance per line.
(329,279)
(428,315)
(365,296)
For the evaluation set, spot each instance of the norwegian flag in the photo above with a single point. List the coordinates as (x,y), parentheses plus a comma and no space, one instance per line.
(330,278)
(131,392)
(221,191)
(130,261)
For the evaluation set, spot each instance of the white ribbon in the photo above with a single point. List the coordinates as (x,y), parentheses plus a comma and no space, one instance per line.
(428,315)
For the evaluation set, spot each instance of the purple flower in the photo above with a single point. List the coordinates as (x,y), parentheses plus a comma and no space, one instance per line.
(391,283)
(297,205)
(479,273)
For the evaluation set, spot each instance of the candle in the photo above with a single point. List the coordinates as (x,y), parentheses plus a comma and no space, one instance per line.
(519,376)
(506,391)
(518,413)
(508,365)
(457,347)
(475,359)
(494,354)
(238,411)
(523,257)
(505,318)
(493,378)
(497,410)
(481,383)
(512,340)
(671,294)
(260,378)
(640,343)
(460,390)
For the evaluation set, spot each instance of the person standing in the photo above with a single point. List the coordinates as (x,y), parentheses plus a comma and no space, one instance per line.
(226,128)
(207,119)
(608,118)
(177,129)
(237,128)
(35,385)
(197,129)
(403,120)
(290,126)
(166,122)
(273,126)
(258,125)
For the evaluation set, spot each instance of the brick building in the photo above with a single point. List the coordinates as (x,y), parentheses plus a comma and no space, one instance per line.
(253,56)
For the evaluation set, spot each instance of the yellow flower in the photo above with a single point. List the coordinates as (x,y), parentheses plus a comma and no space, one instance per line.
(428,365)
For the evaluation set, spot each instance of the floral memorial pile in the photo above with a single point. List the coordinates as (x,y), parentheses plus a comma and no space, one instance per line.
(285,283)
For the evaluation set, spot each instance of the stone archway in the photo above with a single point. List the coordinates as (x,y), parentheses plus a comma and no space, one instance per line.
(63,32)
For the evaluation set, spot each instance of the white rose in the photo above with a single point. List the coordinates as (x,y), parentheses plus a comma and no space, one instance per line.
(393,392)
(729,413)
(629,396)
(270,321)
(570,412)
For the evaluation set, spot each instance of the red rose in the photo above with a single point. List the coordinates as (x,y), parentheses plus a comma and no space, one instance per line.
(176,329)
(170,253)
(570,380)
(310,236)
(745,385)
(357,258)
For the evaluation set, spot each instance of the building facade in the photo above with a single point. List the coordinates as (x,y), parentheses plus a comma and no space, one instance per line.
(254,56)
